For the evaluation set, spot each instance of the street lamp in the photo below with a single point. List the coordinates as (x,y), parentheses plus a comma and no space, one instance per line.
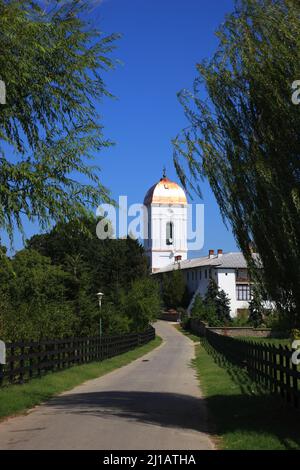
(100,296)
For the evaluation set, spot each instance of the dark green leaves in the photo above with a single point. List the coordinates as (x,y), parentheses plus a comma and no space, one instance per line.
(245,139)
(52,63)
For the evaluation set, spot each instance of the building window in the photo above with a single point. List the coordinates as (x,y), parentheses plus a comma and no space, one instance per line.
(243,292)
(187,276)
(200,274)
(242,275)
(206,274)
(170,233)
(196,275)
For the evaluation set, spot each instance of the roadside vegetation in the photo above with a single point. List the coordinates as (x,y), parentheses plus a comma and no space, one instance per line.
(48,289)
(242,134)
(244,416)
(15,399)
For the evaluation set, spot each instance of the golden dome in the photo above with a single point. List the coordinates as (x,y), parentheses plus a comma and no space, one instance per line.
(165,192)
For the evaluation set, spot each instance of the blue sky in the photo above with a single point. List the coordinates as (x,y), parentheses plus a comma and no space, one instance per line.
(162,40)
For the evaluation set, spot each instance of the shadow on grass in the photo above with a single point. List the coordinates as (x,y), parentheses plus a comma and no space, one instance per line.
(251,409)
(238,374)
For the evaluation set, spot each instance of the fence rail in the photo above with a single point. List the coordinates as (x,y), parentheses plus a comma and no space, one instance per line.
(268,365)
(26,360)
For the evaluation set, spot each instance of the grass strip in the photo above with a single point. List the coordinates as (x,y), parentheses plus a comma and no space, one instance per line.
(15,399)
(245,417)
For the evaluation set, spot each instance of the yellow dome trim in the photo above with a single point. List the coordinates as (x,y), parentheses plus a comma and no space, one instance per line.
(165,192)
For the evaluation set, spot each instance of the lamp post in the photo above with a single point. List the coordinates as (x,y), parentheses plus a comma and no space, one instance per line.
(100,296)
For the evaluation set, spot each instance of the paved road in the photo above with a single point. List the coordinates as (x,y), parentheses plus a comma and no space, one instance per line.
(152,403)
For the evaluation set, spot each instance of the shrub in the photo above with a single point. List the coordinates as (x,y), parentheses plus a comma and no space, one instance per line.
(205,312)
(174,289)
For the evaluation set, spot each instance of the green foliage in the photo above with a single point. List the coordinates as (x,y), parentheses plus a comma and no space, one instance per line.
(174,289)
(49,289)
(52,63)
(256,310)
(242,319)
(295,334)
(185,321)
(205,311)
(260,422)
(218,300)
(34,303)
(113,321)
(95,265)
(245,139)
(141,303)
(16,399)
(277,321)
(214,308)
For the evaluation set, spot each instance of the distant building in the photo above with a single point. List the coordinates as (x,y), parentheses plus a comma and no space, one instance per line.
(166,248)
(167,224)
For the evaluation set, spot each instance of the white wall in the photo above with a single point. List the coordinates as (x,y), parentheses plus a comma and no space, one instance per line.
(159,253)
(227,282)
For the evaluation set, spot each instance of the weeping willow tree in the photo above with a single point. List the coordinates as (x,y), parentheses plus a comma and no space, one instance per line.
(244,137)
(52,62)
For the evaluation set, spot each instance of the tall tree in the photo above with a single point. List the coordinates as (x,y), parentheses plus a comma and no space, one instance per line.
(96,265)
(217,298)
(173,289)
(52,63)
(245,139)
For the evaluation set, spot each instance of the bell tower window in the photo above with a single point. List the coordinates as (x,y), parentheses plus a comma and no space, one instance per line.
(170,233)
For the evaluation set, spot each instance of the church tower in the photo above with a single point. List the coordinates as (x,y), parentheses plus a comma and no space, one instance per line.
(166,205)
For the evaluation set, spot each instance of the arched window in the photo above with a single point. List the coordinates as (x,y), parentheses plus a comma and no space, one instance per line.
(170,233)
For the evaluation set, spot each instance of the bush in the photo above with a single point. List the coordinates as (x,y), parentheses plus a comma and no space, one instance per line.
(242,319)
(141,304)
(218,303)
(174,290)
(295,334)
(184,318)
(205,312)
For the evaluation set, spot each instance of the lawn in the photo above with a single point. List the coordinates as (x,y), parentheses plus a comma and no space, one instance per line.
(16,399)
(244,416)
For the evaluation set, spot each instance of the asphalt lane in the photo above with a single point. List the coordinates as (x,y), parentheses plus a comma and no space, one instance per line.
(154,403)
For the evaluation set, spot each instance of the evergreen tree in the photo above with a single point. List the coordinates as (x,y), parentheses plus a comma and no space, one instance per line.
(173,289)
(223,307)
(219,300)
(255,309)
(211,292)
(205,311)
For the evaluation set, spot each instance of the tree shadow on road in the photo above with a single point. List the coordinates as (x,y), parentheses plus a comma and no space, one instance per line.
(235,412)
(165,409)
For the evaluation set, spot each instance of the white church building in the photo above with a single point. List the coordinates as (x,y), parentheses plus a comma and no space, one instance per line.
(167,248)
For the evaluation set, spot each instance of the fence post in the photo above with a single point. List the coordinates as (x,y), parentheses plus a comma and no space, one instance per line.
(281,373)
(295,386)
(11,366)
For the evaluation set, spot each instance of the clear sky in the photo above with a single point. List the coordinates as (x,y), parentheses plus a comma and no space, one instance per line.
(162,40)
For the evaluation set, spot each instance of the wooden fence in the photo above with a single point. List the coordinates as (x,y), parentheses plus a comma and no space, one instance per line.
(268,365)
(26,360)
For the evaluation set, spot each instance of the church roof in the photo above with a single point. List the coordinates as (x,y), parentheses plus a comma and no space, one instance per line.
(226,261)
(165,192)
